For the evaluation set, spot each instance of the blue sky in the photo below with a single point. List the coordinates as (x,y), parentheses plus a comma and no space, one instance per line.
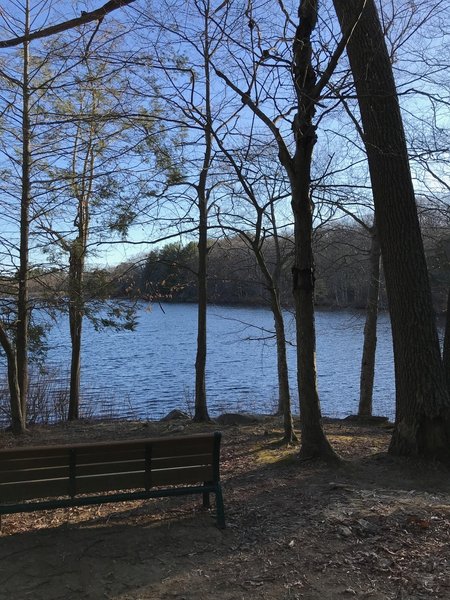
(423,89)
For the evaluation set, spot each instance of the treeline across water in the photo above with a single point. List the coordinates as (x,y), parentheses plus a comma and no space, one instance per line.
(234,277)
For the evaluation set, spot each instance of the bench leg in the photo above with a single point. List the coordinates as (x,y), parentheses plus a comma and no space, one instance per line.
(206,501)
(220,508)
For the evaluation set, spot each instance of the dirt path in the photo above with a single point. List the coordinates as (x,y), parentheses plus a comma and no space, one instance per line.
(375,528)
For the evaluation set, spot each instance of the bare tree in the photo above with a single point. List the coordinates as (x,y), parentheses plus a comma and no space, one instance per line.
(187,85)
(308,90)
(263,192)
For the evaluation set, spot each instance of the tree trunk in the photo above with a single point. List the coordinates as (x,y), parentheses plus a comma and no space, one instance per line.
(422,426)
(201,409)
(76,309)
(314,443)
(446,349)
(17,420)
(22,301)
(313,439)
(370,330)
(76,322)
(284,396)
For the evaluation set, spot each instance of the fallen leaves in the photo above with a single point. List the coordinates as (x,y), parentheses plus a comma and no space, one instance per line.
(375,528)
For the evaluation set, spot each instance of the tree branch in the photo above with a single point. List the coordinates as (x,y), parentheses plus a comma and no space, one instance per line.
(326,75)
(283,152)
(86,17)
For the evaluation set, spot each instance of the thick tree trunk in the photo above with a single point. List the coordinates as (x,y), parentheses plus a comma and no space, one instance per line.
(17,420)
(422,424)
(314,443)
(76,322)
(370,330)
(446,349)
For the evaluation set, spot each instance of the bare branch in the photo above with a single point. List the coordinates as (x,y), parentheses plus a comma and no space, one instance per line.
(325,78)
(283,151)
(85,17)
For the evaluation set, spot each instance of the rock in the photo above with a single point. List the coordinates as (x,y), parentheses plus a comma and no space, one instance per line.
(175,414)
(176,428)
(239,419)
(367,527)
(385,563)
(374,420)
(345,531)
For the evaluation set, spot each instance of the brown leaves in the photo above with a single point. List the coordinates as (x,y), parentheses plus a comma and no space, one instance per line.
(372,529)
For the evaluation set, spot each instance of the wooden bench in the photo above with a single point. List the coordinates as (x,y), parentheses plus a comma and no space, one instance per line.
(46,477)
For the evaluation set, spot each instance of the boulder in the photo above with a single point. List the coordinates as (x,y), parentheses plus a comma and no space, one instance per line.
(175,415)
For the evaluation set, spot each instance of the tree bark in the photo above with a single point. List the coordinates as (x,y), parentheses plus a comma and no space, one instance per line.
(17,420)
(314,443)
(76,310)
(23,300)
(446,348)
(201,408)
(370,330)
(284,395)
(422,426)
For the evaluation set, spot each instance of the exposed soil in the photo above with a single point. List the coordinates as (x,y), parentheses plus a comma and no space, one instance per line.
(376,528)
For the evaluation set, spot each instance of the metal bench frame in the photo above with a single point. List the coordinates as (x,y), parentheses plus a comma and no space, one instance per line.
(48,477)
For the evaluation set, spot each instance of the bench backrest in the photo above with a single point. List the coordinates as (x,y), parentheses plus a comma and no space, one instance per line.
(69,470)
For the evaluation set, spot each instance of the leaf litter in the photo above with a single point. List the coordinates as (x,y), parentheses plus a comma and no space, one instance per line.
(376,527)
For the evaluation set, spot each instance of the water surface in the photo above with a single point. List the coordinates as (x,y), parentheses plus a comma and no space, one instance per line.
(150,371)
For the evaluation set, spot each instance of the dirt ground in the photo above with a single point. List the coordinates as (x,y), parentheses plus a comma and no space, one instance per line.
(375,528)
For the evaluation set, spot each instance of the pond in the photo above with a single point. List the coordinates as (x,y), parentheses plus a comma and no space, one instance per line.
(148,372)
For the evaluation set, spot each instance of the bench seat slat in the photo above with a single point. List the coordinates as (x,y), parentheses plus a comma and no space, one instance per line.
(163,448)
(180,476)
(10,460)
(12,492)
(33,451)
(25,475)
(182,461)
(99,468)
(124,481)
(109,455)
(139,464)
(15,492)
(36,462)
(167,445)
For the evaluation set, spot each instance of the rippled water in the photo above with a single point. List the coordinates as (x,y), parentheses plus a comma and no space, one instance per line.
(150,371)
